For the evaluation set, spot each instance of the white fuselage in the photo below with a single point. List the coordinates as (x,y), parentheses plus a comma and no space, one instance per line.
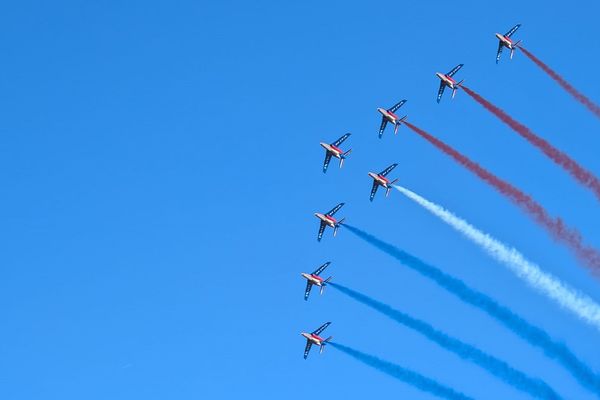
(382,181)
(335,151)
(448,81)
(505,41)
(314,339)
(314,279)
(388,115)
(329,220)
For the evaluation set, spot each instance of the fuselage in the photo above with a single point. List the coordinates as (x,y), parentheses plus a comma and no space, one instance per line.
(390,116)
(334,150)
(381,180)
(505,41)
(328,219)
(314,279)
(448,81)
(314,339)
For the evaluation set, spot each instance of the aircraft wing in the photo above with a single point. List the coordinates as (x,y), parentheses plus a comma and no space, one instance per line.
(307,290)
(374,189)
(397,106)
(455,70)
(321,268)
(321,328)
(341,140)
(512,30)
(321,230)
(327,160)
(500,47)
(335,209)
(388,169)
(441,91)
(307,348)
(382,127)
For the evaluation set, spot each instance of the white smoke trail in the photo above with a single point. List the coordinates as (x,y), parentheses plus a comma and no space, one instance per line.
(569,298)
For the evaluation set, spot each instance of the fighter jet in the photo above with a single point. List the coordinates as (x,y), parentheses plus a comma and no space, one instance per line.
(381,180)
(328,220)
(332,149)
(315,279)
(314,338)
(446,80)
(505,41)
(389,116)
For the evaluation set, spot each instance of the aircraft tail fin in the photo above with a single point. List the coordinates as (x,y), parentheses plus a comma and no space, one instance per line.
(343,157)
(389,187)
(512,49)
(398,123)
(324,284)
(324,343)
(456,87)
(335,229)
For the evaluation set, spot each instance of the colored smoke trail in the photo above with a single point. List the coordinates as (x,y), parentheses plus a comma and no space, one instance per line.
(412,378)
(593,107)
(519,380)
(555,226)
(581,305)
(585,177)
(528,332)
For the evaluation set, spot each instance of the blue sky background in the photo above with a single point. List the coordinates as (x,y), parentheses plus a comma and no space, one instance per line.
(160,164)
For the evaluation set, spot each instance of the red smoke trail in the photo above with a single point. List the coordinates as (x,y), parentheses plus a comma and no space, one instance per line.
(593,107)
(555,226)
(584,177)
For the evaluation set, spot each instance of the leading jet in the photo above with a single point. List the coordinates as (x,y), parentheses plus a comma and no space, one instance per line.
(381,180)
(389,116)
(328,220)
(505,41)
(332,149)
(314,338)
(446,80)
(315,279)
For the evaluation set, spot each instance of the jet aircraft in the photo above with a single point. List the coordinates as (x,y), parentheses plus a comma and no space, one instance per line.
(505,41)
(332,149)
(328,220)
(381,180)
(315,279)
(389,116)
(314,338)
(446,80)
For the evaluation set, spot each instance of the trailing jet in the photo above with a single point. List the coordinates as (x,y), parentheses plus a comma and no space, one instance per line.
(505,41)
(389,116)
(328,220)
(315,279)
(314,338)
(332,149)
(381,180)
(446,80)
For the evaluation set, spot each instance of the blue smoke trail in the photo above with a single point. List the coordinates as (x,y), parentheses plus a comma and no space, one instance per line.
(535,387)
(412,378)
(530,333)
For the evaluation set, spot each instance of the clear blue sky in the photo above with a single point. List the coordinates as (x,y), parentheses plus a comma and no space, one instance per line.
(160,164)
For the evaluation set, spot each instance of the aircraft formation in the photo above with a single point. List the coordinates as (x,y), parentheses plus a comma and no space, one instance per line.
(388,115)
